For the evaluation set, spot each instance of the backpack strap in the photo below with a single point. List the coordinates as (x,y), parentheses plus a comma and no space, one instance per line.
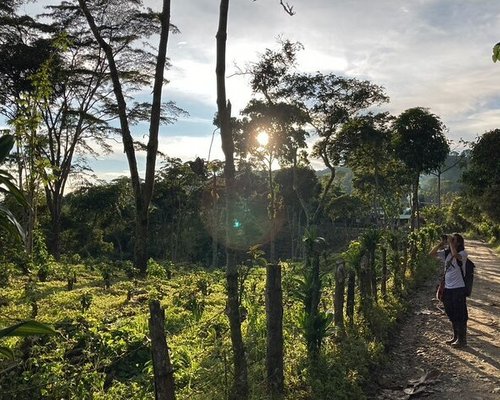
(459,262)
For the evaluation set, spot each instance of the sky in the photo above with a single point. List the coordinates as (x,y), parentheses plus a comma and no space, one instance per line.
(428,53)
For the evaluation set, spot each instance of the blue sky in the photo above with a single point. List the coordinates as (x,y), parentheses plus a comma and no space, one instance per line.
(429,53)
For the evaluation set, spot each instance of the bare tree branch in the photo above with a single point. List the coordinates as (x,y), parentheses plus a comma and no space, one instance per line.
(288,8)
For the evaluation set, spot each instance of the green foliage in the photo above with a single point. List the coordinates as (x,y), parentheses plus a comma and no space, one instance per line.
(482,177)
(104,333)
(6,270)
(496,53)
(157,270)
(8,187)
(419,140)
(23,329)
(27,328)
(86,301)
(353,254)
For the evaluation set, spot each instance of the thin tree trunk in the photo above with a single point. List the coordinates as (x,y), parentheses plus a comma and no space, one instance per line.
(364,283)
(415,209)
(274,321)
(351,286)
(439,189)
(162,367)
(272,213)
(141,231)
(143,191)
(373,275)
(383,283)
(338,303)
(240,384)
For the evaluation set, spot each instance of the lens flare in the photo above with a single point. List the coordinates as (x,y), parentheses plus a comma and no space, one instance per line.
(263,138)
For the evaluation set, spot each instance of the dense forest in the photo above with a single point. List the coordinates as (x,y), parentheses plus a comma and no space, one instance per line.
(251,277)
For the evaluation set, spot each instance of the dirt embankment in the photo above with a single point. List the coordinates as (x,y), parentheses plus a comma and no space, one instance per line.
(423,366)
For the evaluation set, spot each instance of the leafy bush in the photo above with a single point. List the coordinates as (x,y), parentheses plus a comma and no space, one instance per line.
(158,271)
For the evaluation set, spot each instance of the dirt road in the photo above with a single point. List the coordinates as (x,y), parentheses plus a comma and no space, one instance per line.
(422,366)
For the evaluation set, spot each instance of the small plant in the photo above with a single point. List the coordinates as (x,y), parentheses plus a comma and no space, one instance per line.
(156,270)
(86,301)
(195,305)
(41,257)
(127,267)
(71,280)
(31,295)
(70,275)
(106,270)
(203,286)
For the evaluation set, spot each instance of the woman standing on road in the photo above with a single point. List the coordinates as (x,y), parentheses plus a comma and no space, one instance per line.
(451,251)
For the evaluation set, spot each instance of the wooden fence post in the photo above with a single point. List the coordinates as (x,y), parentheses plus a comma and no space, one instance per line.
(274,316)
(162,367)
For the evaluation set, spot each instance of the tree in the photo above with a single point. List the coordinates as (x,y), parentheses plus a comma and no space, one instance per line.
(482,176)
(96,220)
(175,218)
(223,121)
(294,183)
(364,144)
(8,221)
(454,161)
(496,52)
(273,127)
(118,26)
(240,382)
(419,142)
(330,101)
(25,78)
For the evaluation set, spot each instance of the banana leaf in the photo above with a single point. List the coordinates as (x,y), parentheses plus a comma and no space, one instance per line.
(27,328)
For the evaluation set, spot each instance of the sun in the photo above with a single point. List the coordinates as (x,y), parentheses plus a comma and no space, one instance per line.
(263,138)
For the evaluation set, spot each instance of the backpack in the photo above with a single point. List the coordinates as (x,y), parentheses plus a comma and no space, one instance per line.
(469,276)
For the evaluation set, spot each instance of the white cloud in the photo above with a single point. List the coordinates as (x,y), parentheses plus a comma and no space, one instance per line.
(188,148)
(429,53)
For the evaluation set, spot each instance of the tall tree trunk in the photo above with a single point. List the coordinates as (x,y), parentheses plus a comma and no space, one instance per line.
(312,300)
(274,322)
(240,384)
(274,306)
(272,213)
(338,302)
(351,286)
(54,204)
(213,217)
(383,283)
(373,275)
(143,191)
(364,283)
(141,230)
(162,367)
(439,189)
(415,210)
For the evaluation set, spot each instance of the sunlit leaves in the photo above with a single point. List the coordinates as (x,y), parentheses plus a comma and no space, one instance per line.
(496,52)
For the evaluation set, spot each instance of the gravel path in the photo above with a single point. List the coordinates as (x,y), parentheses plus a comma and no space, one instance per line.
(421,365)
